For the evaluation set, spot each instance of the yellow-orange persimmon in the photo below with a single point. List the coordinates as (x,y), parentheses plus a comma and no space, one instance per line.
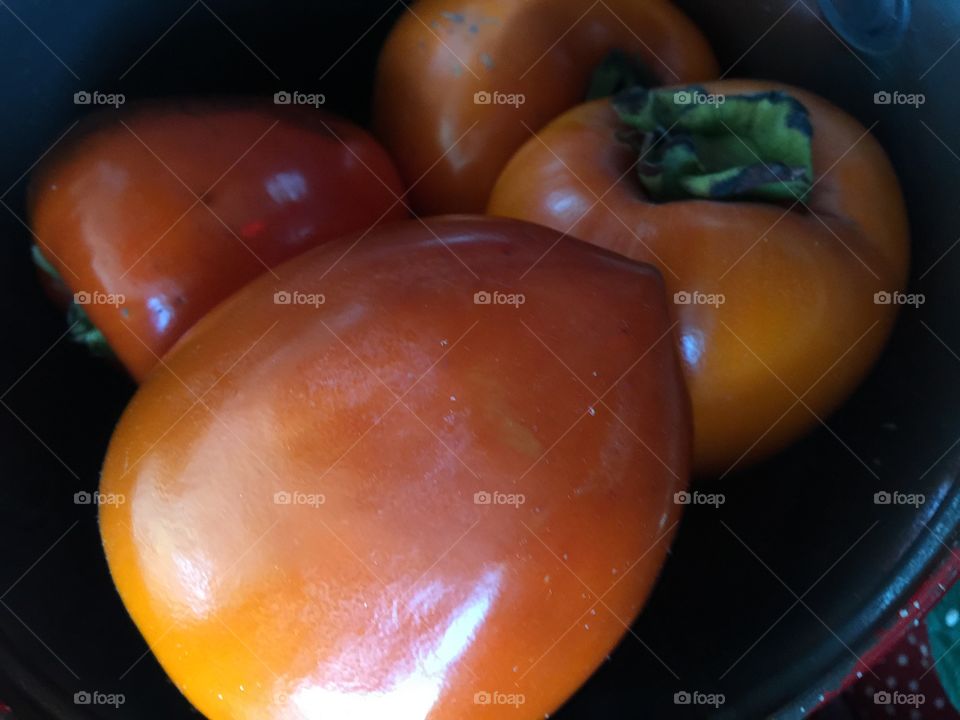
(776,305)
(446,470)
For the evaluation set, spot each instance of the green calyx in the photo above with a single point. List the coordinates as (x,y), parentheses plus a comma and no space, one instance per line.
(82,330)
(692,144)
(617,72)
(43,265)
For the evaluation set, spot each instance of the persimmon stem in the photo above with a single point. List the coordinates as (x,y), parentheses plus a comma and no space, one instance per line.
(694,144)
(617,72)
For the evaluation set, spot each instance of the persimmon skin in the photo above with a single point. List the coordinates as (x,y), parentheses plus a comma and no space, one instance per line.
(450,149)
(399,596)
(174,205)
(799,317)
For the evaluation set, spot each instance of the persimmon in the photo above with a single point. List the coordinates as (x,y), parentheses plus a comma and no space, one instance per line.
(422,475)
(154,214)
(778,224)
(461,86)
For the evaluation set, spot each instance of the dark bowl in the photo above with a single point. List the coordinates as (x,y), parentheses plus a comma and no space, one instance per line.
(769,599)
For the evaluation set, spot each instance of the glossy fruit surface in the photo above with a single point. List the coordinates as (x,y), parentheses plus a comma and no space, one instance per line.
(461,86)
(426,475)
(156,213)
(782,307)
